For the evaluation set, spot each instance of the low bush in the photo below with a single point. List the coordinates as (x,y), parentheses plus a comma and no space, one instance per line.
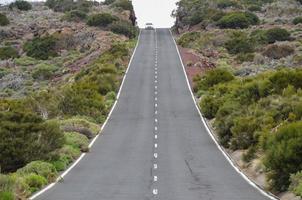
(124,4)
(239,42)
(254,8)
(68,5)
(101,20)
(245,57)
(81,122)
(8,52)
(41,47)
(3,20)
(21,5)
(284,155)
(297,20)
(26,137)
(40,168)
(75,15)
(35,182)
(124,28)
(296,183)
(226,3)
(26,61)
(5,195)
(238,20)
(188,38)
(277,34)
(44,72)
(278,51)
(209,106)
(77,140)
(108,2)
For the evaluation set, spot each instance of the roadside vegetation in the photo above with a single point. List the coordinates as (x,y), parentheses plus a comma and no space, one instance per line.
(59,92)
(244,62)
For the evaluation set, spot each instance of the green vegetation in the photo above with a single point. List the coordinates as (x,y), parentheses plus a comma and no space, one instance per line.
(101,20)
(124,28)
(21,5)
(69,5)
(44,71)
(75,15)
(239,42)
(3,20)
(226,3)
(255,8)
(277,34)
(238,20)
(297,20)
(41,47)
(8,52)
(124,4)
(278,51)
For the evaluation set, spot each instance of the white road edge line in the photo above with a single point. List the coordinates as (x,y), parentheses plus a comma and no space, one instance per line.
(226,155)
(96,137)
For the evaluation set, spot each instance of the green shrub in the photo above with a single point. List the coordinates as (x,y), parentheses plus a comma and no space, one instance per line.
(3,20)
(102,19)
(108,2)
(277,34)
(226,3)
(124,28)
(296,183)
(81,122)
(8,52)
(187,38)
(284,155)
(21,5)
(41,47)
(297,20)
(26,137)
(43,169)
(245,57)
(214,77)
(238,20)
(68,5)
(254,8)
(239,42)
(82,99)
(75,15)
(209,106)
(278,51)
(35,182)
(4,195)
(7,184)
(77,140)
(259,37)
(44,72)
(26,61)
(124,4)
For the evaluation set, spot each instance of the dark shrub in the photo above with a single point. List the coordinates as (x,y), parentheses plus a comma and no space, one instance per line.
(124,28)
(21,5)
(75,15)
(108,2)
(254,8)
(26,137)
(214,77)
(44,71)
(238,20)
(41,47)
(8,52)
(102,19)
(245,57)
(3,20)
(68,5)
(187,38)
(284,155)
(297,20)
(239,42)
(124,4)
(278,51)
(277,34)
(209,106)
(226,3)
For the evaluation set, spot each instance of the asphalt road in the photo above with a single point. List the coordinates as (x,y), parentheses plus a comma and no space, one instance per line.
(154,146)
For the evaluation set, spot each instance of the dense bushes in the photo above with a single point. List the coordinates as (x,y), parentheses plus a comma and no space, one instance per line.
(124,28)
(8,52)
(239,42)
(101,20)
(124,4)
(68,5)
(284,155)
(26,137)
(277,34)
(226,3)
(44,71)
(21,5)
(238,20)
(41,47)
(3,20)
(75,15)
(278,51)
(187,38)
(297,20)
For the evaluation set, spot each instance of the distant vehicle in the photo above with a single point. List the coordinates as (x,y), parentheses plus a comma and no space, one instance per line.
(149,26)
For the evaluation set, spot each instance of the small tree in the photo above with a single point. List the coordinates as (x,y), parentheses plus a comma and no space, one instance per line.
(21,5)
(3,20)
(41,47)
(277,34)
(102,19)
(125,28)
(239,42)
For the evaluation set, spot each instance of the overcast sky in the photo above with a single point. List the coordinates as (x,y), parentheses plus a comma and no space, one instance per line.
(157,12)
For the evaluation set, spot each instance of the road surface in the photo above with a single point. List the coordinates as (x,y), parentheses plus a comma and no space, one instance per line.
(154,145)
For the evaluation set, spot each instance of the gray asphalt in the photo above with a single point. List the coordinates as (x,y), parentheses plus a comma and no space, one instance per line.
(120,165)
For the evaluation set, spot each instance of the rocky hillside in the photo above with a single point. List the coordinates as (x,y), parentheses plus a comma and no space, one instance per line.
(61,65)
(243,59)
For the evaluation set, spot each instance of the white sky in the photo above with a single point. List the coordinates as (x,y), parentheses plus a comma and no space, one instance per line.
(157,12)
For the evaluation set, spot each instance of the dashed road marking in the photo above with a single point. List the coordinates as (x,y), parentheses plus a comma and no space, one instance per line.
(156,105)
(155,191)
(155,98)
(155,166)
(155,112)
(155,155)
(155,128)
(156,120)
(155,92)
(155,136)
(155,178)
(155,145)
